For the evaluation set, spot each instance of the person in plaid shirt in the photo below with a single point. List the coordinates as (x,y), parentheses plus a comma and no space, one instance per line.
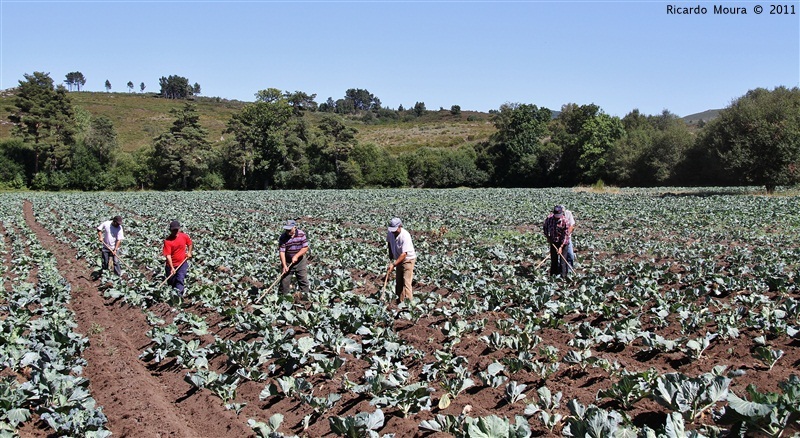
(557,230)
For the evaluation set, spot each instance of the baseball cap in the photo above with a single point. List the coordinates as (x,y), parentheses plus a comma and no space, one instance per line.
(558,210)
(290,224)
(394,224)
(174,225)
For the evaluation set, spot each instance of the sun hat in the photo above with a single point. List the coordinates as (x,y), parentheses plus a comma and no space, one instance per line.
(291,223)
(394,224)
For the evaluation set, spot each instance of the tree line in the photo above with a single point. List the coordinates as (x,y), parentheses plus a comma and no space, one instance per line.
(172,87)
(272,144)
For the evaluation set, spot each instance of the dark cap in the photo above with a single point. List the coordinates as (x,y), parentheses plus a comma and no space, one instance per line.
(174,225)
(558,211)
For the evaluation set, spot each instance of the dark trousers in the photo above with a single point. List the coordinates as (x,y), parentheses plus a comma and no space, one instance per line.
(178,280)
(300,271)
(106,254)
(557,264)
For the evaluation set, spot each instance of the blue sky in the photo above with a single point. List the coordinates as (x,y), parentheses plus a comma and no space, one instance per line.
(619,55)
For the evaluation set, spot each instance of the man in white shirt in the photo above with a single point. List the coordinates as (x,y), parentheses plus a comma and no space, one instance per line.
(402,257)
(111,234)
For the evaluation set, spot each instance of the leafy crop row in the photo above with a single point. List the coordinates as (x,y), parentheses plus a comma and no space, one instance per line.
(655,281)
(38,344)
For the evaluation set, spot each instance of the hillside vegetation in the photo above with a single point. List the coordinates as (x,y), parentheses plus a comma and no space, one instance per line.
(138,118)
(287,140)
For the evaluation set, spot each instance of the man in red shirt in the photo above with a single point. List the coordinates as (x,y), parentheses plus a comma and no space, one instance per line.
(177,250)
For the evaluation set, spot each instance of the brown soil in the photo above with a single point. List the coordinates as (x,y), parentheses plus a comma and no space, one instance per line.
(7,263)
(139,402)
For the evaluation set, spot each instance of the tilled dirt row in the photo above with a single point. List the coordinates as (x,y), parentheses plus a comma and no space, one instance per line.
(138,402)
(10,276)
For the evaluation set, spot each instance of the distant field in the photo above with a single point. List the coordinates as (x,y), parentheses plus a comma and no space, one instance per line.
(444,131)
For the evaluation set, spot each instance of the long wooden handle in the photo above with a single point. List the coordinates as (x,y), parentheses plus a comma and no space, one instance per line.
(565,260)
(383,295)
(114,254)
(170,275)
(272,285)
(543,260)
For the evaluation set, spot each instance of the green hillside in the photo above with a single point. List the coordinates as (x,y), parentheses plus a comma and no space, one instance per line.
(518,145)
(434,129)
(140,117)
(705,116)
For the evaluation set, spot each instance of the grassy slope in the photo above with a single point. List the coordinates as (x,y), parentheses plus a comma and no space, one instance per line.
(705,116)
(435,129)
(138,118)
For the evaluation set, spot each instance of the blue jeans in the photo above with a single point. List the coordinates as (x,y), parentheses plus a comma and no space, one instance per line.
(570,255)
(177,281)
(557,264)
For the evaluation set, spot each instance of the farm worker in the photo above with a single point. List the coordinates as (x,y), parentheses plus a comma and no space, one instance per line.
(292,248)
(556,230)
(570,252)
(111,234)
(402,257)
(177,251)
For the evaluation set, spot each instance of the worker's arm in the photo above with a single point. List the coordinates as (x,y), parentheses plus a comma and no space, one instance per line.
(396,263)
(299,254)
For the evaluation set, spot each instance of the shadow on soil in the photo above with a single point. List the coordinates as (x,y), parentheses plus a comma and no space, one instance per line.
(654,420)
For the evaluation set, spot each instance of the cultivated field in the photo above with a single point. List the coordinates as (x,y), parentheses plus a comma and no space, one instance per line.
(681,301)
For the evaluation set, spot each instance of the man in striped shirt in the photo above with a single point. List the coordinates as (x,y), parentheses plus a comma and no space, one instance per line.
(293,247)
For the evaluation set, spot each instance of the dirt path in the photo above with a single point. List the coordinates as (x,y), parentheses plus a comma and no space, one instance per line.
(7,264)
(138,402)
